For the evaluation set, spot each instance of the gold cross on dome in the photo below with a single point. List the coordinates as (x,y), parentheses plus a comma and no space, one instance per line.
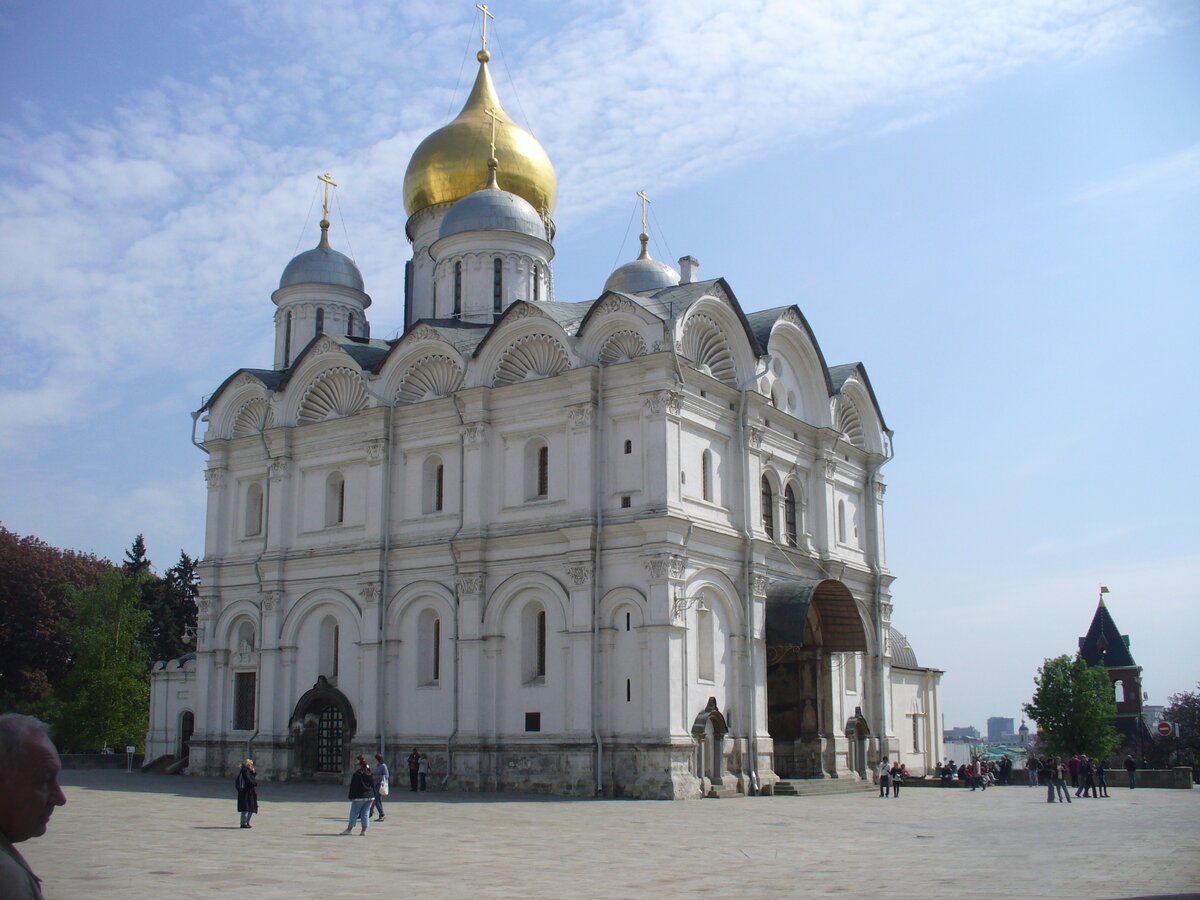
(491,113)
(329,182)
(645,203)
(487,14)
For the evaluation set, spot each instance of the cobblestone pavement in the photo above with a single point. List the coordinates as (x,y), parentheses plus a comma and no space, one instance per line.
(135,836)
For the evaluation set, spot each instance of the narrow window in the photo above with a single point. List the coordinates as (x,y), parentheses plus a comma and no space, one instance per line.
(628,690)
(850,667)
(287,339)
(706,488)
(254,509)
(628,447)
(243,702)
(437,649)
(768,509)
(626,501)
(439,483)
(537,284)
(704,640)
(458,289)
(350,325)
(320,329)
(533,721)
(789,516)
(916,734)
(540,638)
(328,650)
(335,499)
(628,620)
(497,284)
(841,522)
(543,471)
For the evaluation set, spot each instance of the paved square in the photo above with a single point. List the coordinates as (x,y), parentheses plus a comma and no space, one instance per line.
(155,836)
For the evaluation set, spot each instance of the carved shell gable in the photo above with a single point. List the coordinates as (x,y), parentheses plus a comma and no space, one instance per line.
(253,416)
(335,393)
(423,332)
(622,346)
(706,345)
(848,422)
(532,356)
(430,377)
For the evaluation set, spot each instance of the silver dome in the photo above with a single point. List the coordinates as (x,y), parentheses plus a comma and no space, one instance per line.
(902,652)
(643,274)
(493,210)
(322,265)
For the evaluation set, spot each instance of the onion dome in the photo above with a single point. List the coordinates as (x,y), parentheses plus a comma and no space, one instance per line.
(322,265)
(643,274)
(493,210)
(445,166)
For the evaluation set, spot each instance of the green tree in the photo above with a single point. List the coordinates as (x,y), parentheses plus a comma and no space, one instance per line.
(1183,709)
(171,603)
(1074,708)
(106,695)
(35,616)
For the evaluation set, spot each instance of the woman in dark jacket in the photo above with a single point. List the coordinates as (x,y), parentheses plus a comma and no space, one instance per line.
(362,796)
(247,791)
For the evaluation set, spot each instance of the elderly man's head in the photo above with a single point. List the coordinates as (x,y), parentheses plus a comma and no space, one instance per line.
(29,768)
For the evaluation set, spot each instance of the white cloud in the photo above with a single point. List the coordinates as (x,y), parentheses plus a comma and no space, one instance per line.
(1172,174)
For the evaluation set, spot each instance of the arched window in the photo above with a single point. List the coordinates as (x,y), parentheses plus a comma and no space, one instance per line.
(533,642)
(768,508)
(706,482)
(329,649)
(320,329)
(429,636)
(335,499)
(1118,691)
(705,669)
(789,516)
(537,470)
(497,284)
(458,289)
(254,509)
(537,283)
(433,485)
(350,325)
(628,448)
(841,522)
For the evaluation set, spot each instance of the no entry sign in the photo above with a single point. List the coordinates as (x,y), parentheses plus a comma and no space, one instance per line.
(1166,729)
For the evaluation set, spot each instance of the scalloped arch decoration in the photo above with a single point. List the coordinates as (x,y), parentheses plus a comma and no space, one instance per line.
(253,416)
(849,423)
(704,343)
(533,356)
(622,346)
(335,393)
(428,378)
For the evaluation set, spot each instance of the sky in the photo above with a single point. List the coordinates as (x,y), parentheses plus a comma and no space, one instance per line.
(995,206)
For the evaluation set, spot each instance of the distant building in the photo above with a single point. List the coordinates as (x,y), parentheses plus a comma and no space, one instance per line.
(1000,729)
(1023,733)
(961,733)
(1105,646)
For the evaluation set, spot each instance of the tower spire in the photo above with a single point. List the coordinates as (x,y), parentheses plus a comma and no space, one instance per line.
(328,181)
(644,237)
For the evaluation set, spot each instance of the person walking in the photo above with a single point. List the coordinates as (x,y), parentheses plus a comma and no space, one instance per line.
(246,784)
(1085,780)
(1101,780)
(379,784)
(1131,771)
(884,769)
(897,774)
(423,771)
(361,795)
(414,766)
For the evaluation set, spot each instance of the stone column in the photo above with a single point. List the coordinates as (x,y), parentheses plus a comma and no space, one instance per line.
(470,648)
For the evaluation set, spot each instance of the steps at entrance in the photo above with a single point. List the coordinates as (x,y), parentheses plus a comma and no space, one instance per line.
(809,787)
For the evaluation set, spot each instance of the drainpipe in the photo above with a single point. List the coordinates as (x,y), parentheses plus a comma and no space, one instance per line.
(462,514)
(597,505)
(877,574)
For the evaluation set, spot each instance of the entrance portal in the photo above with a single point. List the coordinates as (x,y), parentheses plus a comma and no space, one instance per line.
(323,728)
(807,620)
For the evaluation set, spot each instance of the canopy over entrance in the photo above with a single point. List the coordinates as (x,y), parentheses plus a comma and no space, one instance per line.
(788,604)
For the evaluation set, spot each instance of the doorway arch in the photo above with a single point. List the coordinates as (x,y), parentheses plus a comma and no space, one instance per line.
(323,727)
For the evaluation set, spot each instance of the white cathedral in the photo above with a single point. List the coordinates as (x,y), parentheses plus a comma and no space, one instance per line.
(629,546)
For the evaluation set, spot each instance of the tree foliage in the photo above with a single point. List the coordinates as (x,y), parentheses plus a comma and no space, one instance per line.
(35,614)
(1183,709)
(105,697)
(1074,708)
(171,603)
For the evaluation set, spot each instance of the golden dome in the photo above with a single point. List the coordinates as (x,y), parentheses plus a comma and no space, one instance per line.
(452,162)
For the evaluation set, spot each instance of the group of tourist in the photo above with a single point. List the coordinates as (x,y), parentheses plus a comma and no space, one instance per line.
(1087,775)
(368,786)
(891,776)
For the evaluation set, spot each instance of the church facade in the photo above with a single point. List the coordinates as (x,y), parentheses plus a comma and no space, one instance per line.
(629,546)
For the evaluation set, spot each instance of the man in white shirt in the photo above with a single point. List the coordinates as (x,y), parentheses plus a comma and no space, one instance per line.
(29,791)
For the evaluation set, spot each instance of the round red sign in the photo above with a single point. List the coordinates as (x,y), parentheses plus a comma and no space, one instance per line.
(1166,729)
